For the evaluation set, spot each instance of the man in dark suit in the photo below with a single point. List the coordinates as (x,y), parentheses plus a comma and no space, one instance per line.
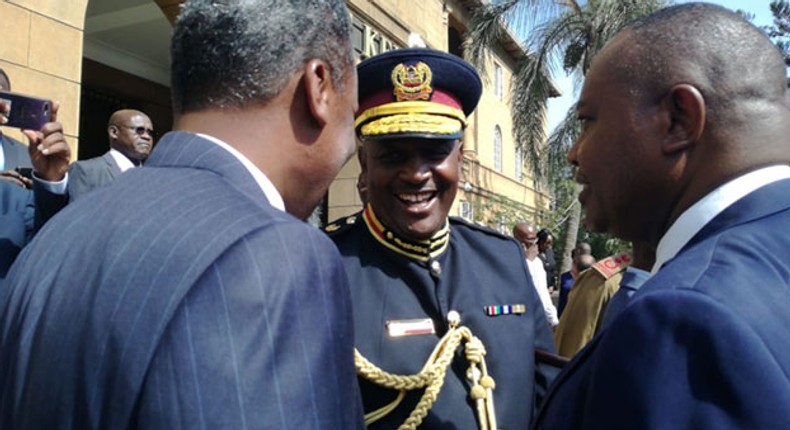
(192,299)
(131,135)
(24,210)
(684,148)
(423,282)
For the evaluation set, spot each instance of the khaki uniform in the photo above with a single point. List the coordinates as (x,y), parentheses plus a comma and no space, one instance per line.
(587,303)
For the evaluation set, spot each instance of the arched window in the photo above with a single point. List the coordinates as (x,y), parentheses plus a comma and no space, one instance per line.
(497,149)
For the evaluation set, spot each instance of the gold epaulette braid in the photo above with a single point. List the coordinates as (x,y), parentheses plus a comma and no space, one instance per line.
(431,377)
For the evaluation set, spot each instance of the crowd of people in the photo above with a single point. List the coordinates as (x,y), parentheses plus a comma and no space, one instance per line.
(199,298)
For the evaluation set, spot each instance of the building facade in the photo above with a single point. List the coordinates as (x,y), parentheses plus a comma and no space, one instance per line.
(97,56)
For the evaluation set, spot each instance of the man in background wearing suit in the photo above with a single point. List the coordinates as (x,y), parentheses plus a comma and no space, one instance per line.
(131,135)
(684,149)
(197,297)
(13,153)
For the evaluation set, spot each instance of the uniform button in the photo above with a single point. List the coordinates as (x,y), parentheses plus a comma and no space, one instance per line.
(436,268)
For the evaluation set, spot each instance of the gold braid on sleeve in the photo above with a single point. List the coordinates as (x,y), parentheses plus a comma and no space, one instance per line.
(431,377)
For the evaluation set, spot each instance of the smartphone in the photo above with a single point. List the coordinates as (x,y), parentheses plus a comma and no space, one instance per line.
(25,171)
(25,112)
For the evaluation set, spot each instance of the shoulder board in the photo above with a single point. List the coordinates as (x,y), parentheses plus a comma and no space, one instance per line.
(613,265)
(341,224)
(458,221)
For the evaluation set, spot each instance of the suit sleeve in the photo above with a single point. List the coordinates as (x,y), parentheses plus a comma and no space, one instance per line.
(263,340)
(79,182)
(679,359)
(47,204)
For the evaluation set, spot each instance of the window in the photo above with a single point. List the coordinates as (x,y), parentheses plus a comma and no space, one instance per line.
(497,149)
(466,211)
(498,91)
(519,164)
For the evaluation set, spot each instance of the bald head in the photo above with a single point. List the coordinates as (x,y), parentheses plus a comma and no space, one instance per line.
(131,133)
(527,235)
(728,59)
(583,248)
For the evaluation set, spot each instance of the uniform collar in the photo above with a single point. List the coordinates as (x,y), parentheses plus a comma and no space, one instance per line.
(422,250)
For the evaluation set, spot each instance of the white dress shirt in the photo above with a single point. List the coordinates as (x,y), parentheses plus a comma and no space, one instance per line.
(541,285)
(121,161)
(271,193)
(704,210)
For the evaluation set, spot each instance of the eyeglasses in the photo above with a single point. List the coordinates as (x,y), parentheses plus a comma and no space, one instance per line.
(140,130)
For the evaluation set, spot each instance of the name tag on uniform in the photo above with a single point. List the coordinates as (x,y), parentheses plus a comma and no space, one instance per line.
(399,328)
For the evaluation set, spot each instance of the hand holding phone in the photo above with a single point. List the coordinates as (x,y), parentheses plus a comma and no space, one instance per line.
(25,112)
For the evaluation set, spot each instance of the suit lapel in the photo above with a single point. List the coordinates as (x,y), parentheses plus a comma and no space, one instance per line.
(112,166)
(13,153)
(180,149)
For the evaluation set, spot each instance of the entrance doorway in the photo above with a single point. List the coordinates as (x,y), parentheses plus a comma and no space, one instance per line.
(126,65)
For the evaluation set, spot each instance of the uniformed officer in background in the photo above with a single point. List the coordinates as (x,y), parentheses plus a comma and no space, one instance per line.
(587,301)
(433,294)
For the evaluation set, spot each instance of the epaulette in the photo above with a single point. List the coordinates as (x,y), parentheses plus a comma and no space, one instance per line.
(478,227)
(341,224)
(613,265)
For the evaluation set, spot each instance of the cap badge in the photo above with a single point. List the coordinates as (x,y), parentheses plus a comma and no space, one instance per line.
(412,82)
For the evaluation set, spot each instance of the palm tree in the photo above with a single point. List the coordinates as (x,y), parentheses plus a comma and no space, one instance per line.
(566,35)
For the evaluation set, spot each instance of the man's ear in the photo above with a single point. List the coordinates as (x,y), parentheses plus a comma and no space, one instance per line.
(112,130)
(319,89)
(687,114)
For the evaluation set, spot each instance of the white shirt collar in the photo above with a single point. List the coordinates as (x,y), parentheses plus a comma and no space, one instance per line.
(123,163)
(704,210)
(268,188)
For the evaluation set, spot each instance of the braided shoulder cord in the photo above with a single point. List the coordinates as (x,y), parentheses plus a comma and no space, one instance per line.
(431,377)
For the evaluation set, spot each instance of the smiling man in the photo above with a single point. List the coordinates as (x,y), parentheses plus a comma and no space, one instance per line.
(131,136)
(423,282)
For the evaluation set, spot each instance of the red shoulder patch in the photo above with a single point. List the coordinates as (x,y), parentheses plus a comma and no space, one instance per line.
(613,265)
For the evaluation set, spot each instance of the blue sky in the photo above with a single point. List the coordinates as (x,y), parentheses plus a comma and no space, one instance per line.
(559,106)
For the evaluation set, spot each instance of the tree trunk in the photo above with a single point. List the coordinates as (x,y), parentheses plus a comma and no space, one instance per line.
(572,230)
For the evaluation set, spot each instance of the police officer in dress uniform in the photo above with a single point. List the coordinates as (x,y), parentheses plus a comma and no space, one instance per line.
(433,296)
(587,302)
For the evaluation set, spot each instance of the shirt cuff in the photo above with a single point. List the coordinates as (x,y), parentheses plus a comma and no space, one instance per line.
(58,187)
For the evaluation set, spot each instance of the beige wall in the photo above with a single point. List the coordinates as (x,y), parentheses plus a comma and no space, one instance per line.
(41,52)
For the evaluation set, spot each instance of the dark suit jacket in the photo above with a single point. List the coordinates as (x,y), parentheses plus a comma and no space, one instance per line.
(698,347)
(90,174)
(22,213)
(15,153)
(177,297)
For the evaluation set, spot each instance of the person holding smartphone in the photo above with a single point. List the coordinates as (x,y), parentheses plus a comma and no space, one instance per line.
(26,203)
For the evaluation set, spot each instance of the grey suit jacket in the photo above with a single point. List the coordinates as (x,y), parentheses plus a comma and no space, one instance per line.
(14,153)
(177,297)
(90,174)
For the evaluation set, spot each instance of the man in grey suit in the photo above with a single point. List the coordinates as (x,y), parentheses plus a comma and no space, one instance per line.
(197,298)
(131,135)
